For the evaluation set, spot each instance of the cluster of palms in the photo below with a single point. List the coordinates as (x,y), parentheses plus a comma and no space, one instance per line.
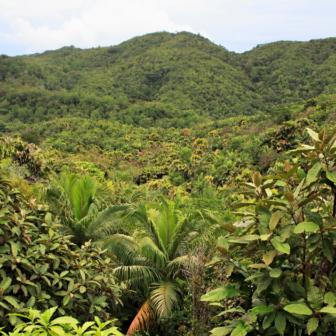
(148,256)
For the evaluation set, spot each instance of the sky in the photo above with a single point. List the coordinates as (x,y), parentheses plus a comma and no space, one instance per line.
(31,26)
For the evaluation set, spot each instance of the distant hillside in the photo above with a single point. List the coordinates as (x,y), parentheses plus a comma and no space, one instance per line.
(162,79)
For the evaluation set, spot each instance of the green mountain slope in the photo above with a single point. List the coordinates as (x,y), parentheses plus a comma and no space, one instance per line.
(162,79)
(291,71)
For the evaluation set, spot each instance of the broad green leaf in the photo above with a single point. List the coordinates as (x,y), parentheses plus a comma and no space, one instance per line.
(268,257)
(240,330)
(221,331)
(278,245)
(220,293)
(264,237)
(330,299)
(257,266)
(264,216)
(31,302)
(298,308)
(315,298)
(280,322)
(331,176)
(232,310)
(250,237)
(307,227)
(328,310)
(312,325)
(313,172)
(275,273)
(274,220)
(11,300)
(328,249)
(313,134)
(5,283)
(262,309)
(64,320)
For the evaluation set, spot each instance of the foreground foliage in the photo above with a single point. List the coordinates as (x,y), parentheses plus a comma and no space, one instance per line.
(284,257)
(41,268)
(41,324)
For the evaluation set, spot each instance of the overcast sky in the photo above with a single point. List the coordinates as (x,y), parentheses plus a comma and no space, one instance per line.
(30,26)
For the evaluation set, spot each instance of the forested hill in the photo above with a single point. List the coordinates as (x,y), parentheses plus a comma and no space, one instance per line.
(162,79)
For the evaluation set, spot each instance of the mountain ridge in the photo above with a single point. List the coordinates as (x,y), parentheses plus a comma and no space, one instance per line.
(164,79)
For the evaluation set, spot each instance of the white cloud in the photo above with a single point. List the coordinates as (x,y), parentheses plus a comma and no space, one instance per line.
(85,23)
(37,25)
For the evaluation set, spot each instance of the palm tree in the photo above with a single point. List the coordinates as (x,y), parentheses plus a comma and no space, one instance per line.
(152,255)
(80,204)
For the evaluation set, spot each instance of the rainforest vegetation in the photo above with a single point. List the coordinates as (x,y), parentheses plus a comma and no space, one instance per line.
(167,186)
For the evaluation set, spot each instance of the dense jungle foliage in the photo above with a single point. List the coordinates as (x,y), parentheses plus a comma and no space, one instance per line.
(166,186)
(163,80)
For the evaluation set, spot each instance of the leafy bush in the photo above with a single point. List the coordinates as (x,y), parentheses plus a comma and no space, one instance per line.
(40,269)
(41,324)
(283,257)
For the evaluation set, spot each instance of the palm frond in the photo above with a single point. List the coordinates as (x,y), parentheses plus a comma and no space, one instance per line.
(138,276)
(125,248)
(149,250)
(99,225)
(83,195)
(141,320)
(178,262)
(184,227)
(163,297)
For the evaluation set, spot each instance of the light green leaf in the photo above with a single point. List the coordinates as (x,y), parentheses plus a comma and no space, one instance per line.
(330,299)
(328,310)
(262,309)
(274,220)
(331,176)
(220,293)
(257,266)
(307,227)
(221,331)
(312,325)
(298,308)
(278,245)
(264,216)
(5,283)
(313,134)
(64,320)
(275,273)
(12,301)
(312,173)
(240,330)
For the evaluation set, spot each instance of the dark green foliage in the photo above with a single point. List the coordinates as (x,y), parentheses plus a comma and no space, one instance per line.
(165,80)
